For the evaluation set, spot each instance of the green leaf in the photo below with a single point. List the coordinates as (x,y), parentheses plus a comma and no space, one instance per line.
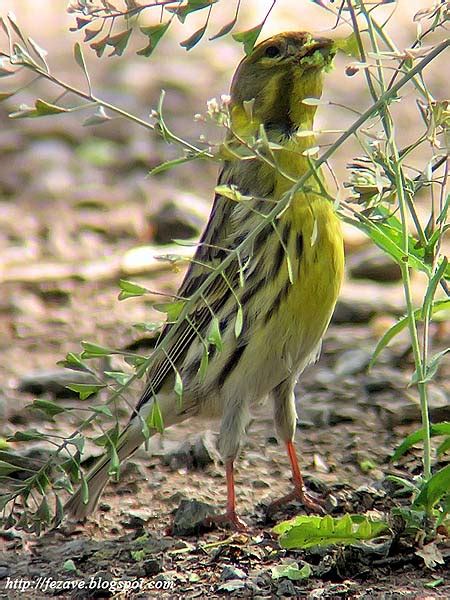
(417,436)
(193,39)
(59,512)
(231,192)
(78,441)
(191,6)
(41,109)
(110,437)
(432,285)
(433,364)
(119,41)
(291,571)
(102,409)
(98,118)
(85,389)
(439,305)
(6,468)
(434,583)
(79,58)
(169,164)
(239,321)
(44,108)
(90,34)
(26,436)
(178,386)
(225,29)
(145,430)
(248,37)
(84,490)
(80,24)
(172,309)
(309,531)
(69,566)
(91,350)
(49,407)
(114,466)
(155,420)
(434,489)
(444,447)
(40,52)
(73,361)
(154,34)
(43,512)
(13,22)
(130,289)
(387,234)
(119,376)
(431,368)
(214,335)
(203,365)
(99,47)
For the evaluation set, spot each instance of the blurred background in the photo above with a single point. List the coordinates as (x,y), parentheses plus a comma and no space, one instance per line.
(77,204)
(78,212)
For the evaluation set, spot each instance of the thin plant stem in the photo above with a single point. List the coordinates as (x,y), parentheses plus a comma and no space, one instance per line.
(396,166)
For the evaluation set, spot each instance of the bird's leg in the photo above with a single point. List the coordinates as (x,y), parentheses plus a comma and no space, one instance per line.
(299,493)
(285,417)
(230,517)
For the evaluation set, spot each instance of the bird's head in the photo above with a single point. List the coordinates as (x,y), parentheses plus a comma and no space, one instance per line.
(274,79)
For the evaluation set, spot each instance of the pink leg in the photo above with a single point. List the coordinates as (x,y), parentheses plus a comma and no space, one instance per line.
(314,504)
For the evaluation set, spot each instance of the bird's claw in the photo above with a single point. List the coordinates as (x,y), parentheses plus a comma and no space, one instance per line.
(309,501)
(228,519)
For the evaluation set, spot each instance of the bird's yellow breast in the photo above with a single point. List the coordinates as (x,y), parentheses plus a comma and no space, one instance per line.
(321,265)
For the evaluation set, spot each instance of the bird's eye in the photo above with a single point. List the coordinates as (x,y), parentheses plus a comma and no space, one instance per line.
(272,52)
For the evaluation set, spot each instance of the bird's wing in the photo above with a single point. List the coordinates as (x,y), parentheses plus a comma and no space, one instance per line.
(222,233)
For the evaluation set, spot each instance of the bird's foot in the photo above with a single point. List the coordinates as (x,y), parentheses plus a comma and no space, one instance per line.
(308,499)
(228,519)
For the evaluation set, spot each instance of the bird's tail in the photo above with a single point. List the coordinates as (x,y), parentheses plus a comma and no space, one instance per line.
(78,507)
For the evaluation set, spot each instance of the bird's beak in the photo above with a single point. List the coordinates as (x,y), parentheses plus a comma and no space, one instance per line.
(324,46)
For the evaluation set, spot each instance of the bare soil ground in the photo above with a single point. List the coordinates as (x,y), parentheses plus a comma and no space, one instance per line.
(75,202)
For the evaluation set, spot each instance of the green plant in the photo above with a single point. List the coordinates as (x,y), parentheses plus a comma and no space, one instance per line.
(381,202)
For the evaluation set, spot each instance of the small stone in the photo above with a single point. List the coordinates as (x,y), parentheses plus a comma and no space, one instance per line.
(171,222)
(230,572)
(286,588)
(372,263)
(194,453)
(260,484)
(359,302)
(54,382)
(191,517)
(351,362)
(153,566)
(4,571)
(232,585)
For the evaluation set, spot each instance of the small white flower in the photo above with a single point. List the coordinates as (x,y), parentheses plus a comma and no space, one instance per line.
(212,106)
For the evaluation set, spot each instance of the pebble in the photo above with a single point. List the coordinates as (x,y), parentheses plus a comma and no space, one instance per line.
(351,362)
(372,263)
(230,572)
(174,222)
(53,382)
(190,516)
(195,453)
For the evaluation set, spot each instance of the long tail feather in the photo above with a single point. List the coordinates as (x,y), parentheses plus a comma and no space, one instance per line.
(98,476)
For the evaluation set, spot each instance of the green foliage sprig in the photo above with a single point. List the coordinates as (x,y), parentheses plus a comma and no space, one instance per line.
(381,201)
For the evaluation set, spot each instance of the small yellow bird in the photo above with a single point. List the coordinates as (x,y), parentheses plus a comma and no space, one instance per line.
(282,290)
